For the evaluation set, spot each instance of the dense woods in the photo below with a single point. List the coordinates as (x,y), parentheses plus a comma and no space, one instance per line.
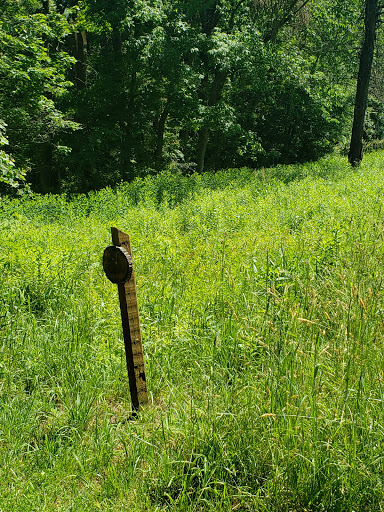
(92,93)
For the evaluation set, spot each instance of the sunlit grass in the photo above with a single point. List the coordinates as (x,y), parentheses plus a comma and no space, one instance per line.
(261,302)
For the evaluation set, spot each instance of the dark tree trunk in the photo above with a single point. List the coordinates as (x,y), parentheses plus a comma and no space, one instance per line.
(202,148)
(124,98)
(210,17)
(45,7)
(159,127)
(128,128)
(81,59)
(355,154)
(48,176)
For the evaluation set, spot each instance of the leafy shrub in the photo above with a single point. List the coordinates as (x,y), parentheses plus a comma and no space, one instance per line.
(11,178)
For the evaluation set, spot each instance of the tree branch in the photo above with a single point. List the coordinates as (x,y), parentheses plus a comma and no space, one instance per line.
(279,24)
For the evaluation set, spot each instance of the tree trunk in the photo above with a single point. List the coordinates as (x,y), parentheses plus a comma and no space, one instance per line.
(159,127)
(81,59)
(45,7)
(355,154)
(202,148)
(48,176)
(128,127)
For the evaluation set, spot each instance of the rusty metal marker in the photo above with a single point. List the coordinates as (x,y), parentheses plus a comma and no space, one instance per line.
(118,267)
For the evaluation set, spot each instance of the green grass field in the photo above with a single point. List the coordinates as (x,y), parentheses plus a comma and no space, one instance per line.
(261,297)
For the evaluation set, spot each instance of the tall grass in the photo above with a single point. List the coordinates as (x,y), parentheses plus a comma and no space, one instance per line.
(261,299)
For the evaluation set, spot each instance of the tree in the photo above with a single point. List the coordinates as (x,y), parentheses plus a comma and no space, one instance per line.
(11,178)
(371,19)
(32,78)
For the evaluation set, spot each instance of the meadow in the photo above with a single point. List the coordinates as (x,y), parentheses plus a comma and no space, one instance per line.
(261,299)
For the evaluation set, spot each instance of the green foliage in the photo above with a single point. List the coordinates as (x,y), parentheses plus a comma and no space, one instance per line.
(32,79)
(176,86)
(187,72)
(10,176)
(261,307)
(374,123)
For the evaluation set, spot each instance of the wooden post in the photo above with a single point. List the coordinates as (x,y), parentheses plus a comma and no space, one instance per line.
(118,266)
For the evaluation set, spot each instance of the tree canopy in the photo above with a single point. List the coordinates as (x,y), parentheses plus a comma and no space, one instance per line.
(93,93)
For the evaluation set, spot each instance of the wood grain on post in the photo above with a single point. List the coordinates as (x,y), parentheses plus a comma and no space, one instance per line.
(131,328)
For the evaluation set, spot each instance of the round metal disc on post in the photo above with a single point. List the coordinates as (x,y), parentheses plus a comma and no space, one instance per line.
(117,264)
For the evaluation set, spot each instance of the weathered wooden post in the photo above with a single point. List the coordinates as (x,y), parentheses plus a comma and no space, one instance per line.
(118,267)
